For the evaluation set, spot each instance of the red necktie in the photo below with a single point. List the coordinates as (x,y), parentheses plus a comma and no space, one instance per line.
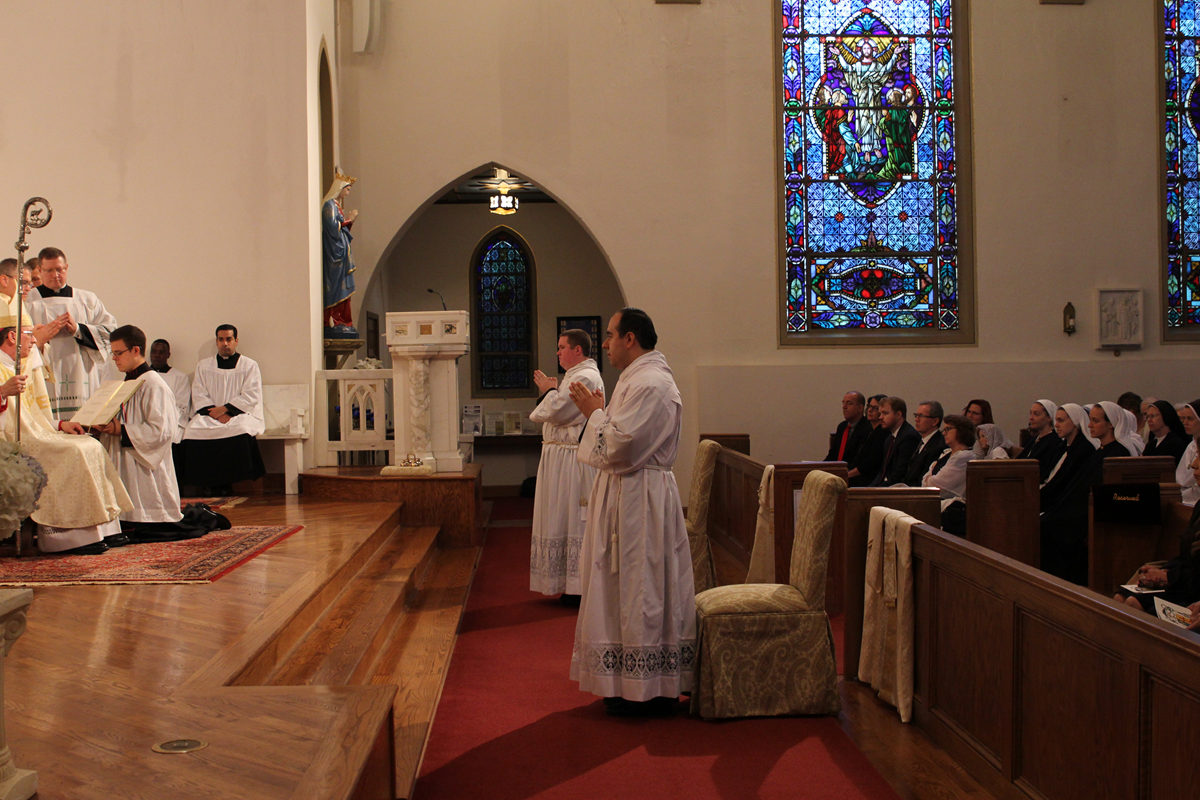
(842,447)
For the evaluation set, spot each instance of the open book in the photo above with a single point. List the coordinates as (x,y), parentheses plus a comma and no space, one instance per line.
(105,402)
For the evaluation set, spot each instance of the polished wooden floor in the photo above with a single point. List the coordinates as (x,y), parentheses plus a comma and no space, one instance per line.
(104,672)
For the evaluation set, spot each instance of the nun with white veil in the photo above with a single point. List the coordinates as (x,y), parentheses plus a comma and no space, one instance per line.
(1071,425)
(1189,415)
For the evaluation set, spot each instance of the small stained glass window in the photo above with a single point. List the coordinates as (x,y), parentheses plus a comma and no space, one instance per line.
(504,307)
(1182,20)
(870,178)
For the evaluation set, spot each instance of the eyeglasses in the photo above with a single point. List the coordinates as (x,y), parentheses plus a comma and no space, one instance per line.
(119,353)
(919,415)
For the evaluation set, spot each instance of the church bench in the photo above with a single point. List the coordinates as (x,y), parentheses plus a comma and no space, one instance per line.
(733,503)
(924,504)
(1039,688)
(1117,549)
(1003,507)
(738,442)
(1139,469)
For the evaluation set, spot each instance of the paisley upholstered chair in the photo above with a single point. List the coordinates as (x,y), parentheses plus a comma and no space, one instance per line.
(767,649)
(703,570)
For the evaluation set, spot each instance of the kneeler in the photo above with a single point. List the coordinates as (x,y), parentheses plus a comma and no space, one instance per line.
(766,649)
(704,574)
(886,662)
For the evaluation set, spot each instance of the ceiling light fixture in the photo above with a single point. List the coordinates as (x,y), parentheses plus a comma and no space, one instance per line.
(503,203)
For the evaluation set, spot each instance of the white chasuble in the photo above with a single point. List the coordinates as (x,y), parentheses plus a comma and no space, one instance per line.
(77,359)
(240,387)
(563,487)
(180,384)
(636,633)
(83,491)
(150,420)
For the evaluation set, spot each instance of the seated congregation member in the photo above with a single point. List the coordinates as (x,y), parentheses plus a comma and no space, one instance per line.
(1179,577)
(1071,425)
(78,511)
(990,440)
(1132,402)
(901,443)
(73,325)
(1046,446)
(949,473)
(219,444)
(1164,431)
(1065,526)
(181,385)
(866,464)
(139,440)
(1183,475)
(979,412)
(852,431)
(927,421)
(1144,431)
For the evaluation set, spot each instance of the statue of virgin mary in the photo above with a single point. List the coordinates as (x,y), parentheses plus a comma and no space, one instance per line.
(338,262)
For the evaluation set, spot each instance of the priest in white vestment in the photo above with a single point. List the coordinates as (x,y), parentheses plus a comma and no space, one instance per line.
(139,440)
(635,639)
(219,444)
(80,507)
(563,482)
(73,328)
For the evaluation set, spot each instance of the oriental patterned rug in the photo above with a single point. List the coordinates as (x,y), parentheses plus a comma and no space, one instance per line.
(202,560)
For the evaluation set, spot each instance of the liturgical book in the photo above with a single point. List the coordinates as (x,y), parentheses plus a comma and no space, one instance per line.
(105,402)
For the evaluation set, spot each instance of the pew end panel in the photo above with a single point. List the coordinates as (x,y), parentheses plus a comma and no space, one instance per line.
(924,504)
(1039,688)
(737,442)
(1004,506)
(733,507)
(1116,550)
(789,479)
(1139,469)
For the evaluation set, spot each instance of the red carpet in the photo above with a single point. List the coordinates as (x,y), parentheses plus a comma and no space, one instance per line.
(511,724)
(506,508)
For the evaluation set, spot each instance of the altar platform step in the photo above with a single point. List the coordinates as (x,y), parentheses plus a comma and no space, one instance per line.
(451,501)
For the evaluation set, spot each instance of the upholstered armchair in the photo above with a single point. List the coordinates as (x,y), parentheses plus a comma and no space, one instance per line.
(767,649)
(703,571)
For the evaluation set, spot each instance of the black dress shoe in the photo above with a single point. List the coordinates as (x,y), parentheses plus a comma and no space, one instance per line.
(116,540)
(95,549)
(570,600)
(656,707)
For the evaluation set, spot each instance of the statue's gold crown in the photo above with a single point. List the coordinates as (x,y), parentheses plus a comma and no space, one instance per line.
(338,176)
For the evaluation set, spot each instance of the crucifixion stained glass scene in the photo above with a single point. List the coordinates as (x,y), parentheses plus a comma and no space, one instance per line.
(869,165)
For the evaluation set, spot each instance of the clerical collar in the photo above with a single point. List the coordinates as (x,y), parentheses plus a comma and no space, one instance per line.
(46,291)
(134,374)
(163,370)
(227,363)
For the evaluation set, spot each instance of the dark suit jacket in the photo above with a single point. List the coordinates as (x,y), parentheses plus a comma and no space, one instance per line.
(923,459)
(898,456)
(857,436)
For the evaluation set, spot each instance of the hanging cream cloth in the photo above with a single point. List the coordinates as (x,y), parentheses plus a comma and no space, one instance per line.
(887,640)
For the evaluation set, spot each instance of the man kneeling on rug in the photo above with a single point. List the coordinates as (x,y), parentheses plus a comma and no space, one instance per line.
(139,441)
(79,508)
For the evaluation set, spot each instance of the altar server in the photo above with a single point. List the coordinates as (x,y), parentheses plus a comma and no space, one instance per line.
(74,327)
(79,507)
(178,380)
(563,483)
(635,639)
(139,439)
(219,445)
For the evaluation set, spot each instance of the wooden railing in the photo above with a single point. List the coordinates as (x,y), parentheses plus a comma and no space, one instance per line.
(733,507)
(1043,689)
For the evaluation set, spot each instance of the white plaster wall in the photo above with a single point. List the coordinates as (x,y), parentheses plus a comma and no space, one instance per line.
(573,279)
(655,125)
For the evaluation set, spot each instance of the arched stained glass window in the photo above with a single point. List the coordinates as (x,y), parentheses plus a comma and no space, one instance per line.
(1182,20)
(504,299)
(871,178)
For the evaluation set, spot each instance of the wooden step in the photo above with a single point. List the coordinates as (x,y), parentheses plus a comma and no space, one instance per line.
(417,658)
(344,642)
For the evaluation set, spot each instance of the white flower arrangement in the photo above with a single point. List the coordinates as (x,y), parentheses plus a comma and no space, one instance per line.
(21,482)
(368,363)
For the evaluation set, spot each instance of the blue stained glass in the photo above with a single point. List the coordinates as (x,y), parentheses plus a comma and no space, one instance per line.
(503,310)
(870,206)
(1181,21)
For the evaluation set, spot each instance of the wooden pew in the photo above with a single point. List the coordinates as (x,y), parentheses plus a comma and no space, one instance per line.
(1003,507)
(924,504)
(738,442)
(1038,688)
(733,506)
(789,478)
(1142,469)
(1115,550)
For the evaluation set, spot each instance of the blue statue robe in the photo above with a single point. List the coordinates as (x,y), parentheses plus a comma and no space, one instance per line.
(338,263)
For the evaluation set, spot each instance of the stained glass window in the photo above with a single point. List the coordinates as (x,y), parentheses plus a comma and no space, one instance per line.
(870,174)
(1183,165)
(505,336)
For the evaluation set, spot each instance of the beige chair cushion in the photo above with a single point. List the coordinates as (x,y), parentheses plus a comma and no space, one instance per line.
(751,598)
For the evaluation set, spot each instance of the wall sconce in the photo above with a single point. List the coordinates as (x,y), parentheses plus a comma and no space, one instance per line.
(1069,319)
